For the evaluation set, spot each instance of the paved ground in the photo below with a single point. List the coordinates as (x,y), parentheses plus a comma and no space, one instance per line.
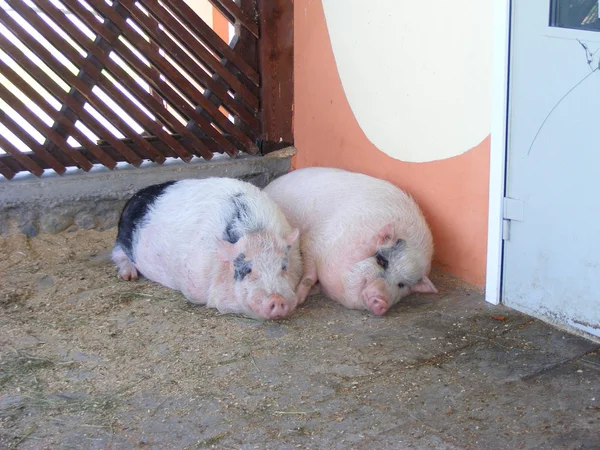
(89,361)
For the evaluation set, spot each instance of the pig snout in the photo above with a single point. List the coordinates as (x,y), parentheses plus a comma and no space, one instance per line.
(276,307)
(376,299)
(377,305)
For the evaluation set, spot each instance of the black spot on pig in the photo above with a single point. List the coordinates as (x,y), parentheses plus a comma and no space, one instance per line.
(385,254)
(285,262)
(240,216)
(135,212)
(241,267)
(399,246)
(382,261)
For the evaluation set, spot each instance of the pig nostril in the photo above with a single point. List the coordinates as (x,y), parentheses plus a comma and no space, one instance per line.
(272,306)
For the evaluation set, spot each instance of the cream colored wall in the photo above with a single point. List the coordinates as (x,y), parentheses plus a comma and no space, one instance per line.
(203,8)
(417,74)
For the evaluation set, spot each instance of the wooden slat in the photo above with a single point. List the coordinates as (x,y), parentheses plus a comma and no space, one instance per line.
(234,13)
(251,132)
(28,140)
(14,165)
(188,64)
(125,79)
(191,71)
(237,43)
(212,39)
(151,76)
(68,116)
(167,70)
(62,96)
(24,160)
(55,115)
(6,171)
(177,53)
(160,146)
(91,70)
(243,45)
(42,128)
(198,50)
(74,81)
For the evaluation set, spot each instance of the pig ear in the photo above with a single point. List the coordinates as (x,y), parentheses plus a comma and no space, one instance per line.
(385,234)
(226,250)
(293,236)
(425,286)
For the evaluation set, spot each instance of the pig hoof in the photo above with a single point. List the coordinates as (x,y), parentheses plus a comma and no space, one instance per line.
(127,269)
(129,273)
(377,306)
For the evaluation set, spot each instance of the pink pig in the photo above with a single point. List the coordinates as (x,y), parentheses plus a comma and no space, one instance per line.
(220,241)
(363,239)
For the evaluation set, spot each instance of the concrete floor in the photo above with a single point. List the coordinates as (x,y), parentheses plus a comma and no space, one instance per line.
(446,371)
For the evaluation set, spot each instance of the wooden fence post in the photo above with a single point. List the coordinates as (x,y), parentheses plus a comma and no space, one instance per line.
(276,62)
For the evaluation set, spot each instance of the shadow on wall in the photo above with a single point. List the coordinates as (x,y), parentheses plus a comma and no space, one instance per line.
(452,192)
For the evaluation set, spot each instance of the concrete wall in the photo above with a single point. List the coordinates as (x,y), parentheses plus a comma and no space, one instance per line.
(79,200)
(401,91)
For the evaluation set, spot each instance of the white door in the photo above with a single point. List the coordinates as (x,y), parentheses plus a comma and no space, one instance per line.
(551,265)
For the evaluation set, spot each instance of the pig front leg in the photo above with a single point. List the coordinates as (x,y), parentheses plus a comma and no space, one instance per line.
(307,285)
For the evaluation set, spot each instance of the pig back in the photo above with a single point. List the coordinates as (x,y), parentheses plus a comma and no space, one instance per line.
(337,209)
(176,245)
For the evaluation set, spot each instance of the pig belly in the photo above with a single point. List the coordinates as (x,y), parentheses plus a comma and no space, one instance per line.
(194,282)
(151,258)
(335,260)
(171,267)
(331,285)
(331,278)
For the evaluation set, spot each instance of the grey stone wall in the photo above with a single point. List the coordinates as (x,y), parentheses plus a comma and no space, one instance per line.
(94,200)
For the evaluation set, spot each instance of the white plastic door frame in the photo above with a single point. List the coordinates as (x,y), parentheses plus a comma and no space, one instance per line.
(500,72)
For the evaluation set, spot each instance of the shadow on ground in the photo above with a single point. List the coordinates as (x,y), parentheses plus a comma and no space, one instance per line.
(90,361)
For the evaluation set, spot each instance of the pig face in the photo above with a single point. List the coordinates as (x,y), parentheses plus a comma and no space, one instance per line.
(257,266)
(394,271)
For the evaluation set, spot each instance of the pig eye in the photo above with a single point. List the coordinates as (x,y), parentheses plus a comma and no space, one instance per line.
(284,267)
(401,285)
(382,261)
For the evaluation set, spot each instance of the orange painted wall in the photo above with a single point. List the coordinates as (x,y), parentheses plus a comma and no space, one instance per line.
(220,25)
(453,193)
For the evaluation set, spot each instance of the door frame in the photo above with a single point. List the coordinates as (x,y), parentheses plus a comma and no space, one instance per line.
(502,18)
(498,147)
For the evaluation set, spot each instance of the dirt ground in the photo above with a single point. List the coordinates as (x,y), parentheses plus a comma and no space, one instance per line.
(91,361)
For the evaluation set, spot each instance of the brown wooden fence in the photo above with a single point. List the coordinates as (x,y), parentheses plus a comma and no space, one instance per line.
(88,82)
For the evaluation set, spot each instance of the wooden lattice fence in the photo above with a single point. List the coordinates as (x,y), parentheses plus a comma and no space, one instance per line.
(102,82)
